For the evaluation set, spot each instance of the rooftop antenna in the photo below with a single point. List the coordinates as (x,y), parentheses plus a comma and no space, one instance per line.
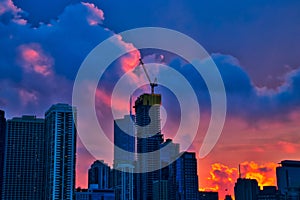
(240,174)
(152,84)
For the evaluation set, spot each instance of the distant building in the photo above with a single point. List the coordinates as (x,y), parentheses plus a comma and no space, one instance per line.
(288,178)
(60,130)
(169,152)
(24,158)
(269,193)
(124,149)
(99,175)
(124,140)
(2,147)
(228,197)
(246,189)
(203,195)
(94,194)
(186,176)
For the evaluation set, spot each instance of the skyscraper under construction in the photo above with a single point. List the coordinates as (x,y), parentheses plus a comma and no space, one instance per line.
(149,138)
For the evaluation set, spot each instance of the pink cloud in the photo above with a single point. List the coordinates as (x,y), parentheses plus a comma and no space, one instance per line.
(130,60)
(95,15)
(33,59)
(7,6)
(27,97)
(287,147)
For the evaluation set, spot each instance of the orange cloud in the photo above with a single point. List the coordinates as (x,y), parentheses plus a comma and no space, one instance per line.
(34,59)
(265,174)
(222,178)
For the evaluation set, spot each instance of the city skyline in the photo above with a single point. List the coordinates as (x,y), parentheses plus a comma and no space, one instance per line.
(254,44)
(286,165)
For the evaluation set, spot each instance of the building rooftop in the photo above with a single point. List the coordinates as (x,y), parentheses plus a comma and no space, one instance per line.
(290,163)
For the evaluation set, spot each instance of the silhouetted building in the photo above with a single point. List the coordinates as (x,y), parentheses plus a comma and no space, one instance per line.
(246,189)
(169,153)
(269,193)
(94,194)
(24,159)
(124,139)
(2,147)
(228,197)
(124,149)
(60,130)
(186,176)
(288,177)
(203,195)
(149,138)
(99,175)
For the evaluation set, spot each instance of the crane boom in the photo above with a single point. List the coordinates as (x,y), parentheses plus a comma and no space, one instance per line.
(152,84)
(142,63)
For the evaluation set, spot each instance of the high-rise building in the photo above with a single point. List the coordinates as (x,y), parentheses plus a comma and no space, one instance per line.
(2,147)
(149,138)
(186,176)
(288,176)
(24,159)
(60,130)
(99,175)
(246,189)
(124,140)
(124,151)
(168,154)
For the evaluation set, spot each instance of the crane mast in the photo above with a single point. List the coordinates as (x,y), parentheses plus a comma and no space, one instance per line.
(152,84)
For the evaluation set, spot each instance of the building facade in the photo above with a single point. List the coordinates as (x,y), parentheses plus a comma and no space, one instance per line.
(124,157)
(246,189)
(186,176)
(24,159)
(149,139)
(288,178)
(99,175)
(94,194)
(2,147)
(60,131)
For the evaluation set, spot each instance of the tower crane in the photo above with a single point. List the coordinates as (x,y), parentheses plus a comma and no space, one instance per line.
(152,84)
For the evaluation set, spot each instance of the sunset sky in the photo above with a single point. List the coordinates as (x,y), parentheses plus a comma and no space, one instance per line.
(255,45)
